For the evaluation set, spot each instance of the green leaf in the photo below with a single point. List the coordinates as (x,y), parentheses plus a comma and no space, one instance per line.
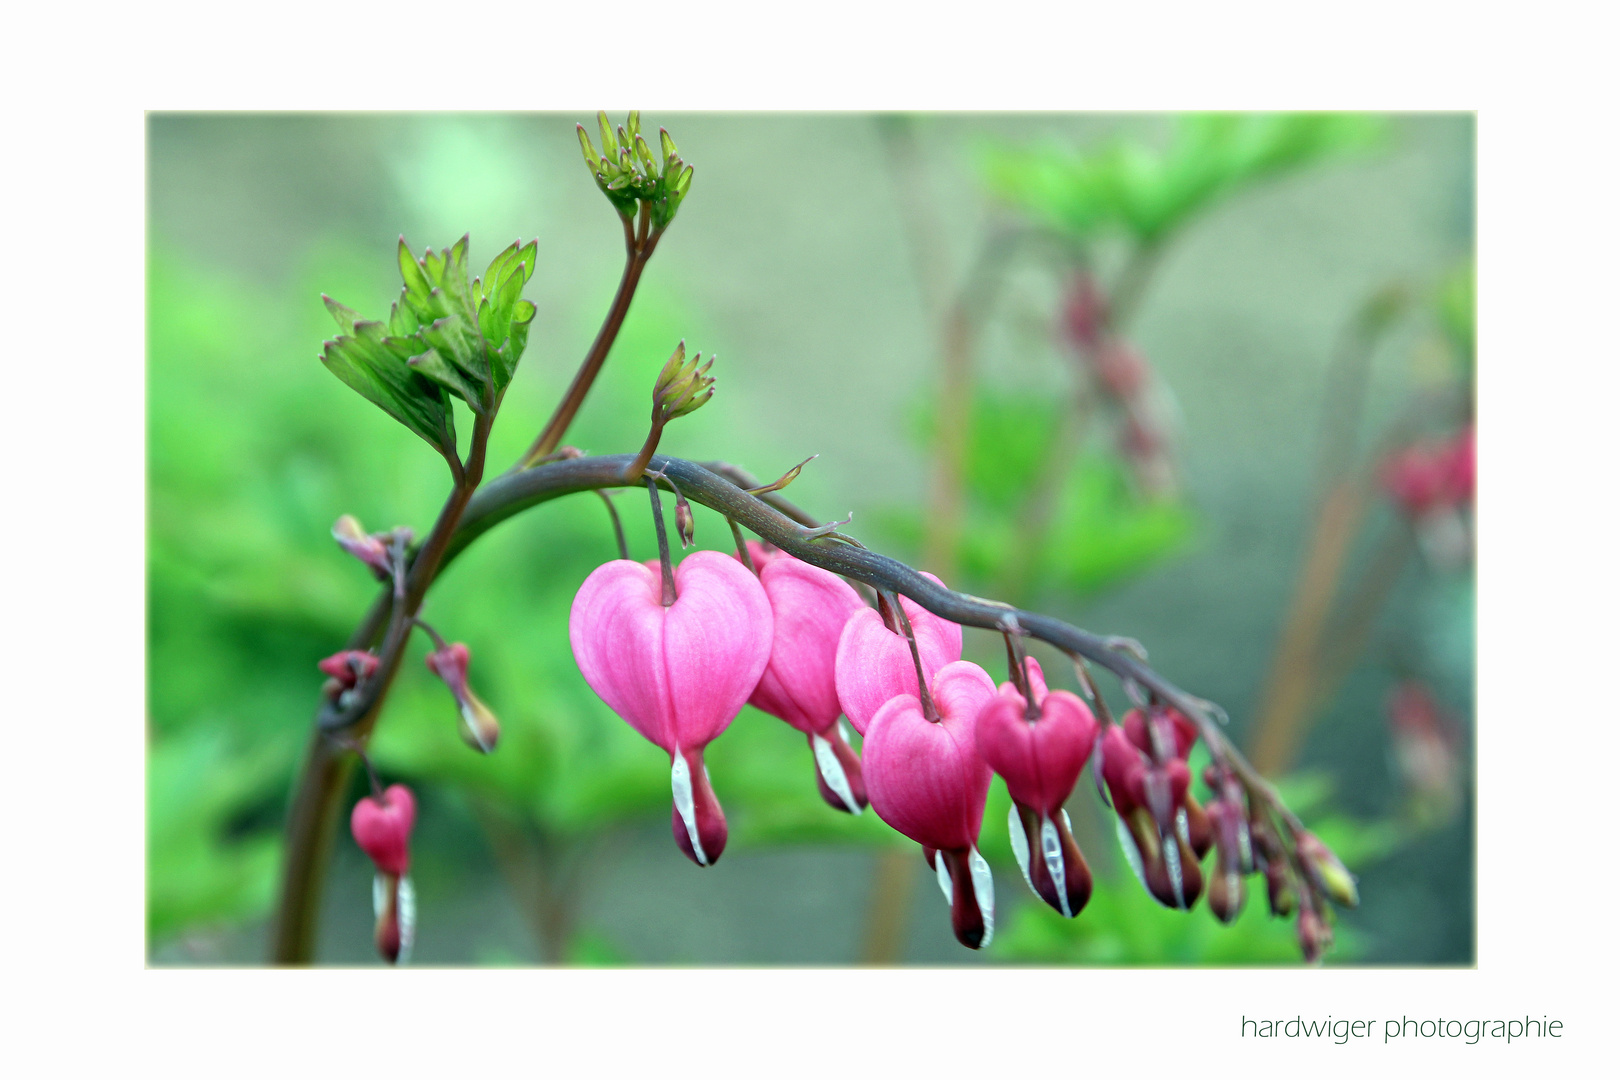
(435,367)
(417,285)
(381,377)
(346,317)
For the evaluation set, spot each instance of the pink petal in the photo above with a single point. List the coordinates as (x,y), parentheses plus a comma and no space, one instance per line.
(927,780)
(809,607)
(874,664)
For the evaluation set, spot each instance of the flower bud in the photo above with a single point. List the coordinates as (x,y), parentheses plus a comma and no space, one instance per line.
(1085,312)
(1227,889)
(1315,936)
(347,670)
(1152,824)
(1280,894)
(367,548)
(479,728)
(1326,871)
(685,527)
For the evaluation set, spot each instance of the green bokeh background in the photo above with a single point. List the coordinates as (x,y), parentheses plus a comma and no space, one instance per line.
(790,260)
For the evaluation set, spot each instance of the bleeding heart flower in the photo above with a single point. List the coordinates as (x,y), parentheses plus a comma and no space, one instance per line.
(678,674)
(1148,798)
(1165,734)
(809,607)
(874,663)
(927,781)
(382,828)
(1039,748)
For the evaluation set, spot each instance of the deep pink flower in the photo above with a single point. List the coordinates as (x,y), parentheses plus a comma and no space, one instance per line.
(1165,734)
(874,663)
(679,674)
(809,607)
(927,781)
(382,828)
(1040,758)
(1149,799)
(347,669)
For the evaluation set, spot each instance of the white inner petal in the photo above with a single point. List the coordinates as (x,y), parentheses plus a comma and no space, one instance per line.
(1127,844)
(1172,864)
(832,771)
(1020,843)
(1052,852)
(943,875)
(407,918)
(379,894)
(984,891)
(680,782)
(1181,827)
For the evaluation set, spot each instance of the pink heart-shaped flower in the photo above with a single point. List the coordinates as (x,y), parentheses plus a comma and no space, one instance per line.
(1041,759)
(679,674)
(383,828)
(809,607)
(926,779)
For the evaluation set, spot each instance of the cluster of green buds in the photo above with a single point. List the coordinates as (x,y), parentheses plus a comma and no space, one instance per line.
(683,386)
(628,173)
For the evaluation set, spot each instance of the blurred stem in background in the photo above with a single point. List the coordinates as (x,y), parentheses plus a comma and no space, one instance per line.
(1323,636)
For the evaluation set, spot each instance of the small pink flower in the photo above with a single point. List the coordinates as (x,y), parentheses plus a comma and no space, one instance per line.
(679,674)
(347,670)
(382,828)
(927,781)
(809,607)
(1040,758)
(1154,831)
(479,728)
(874,663)
(369,549)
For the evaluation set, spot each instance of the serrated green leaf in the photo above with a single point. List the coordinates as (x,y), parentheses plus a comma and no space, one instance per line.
(433,267)
(499,266)
(416,283)
(387,382)
(346,316)
(447,337)
(529,256)
(402,321)
(434,366)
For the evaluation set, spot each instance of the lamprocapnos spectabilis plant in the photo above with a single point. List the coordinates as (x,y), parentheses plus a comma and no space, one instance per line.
(677,650)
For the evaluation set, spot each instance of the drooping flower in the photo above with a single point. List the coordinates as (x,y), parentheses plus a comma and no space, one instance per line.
(678,674)
(1039,749)
(809,607)
(479,728)
(874,663)
(1147,798)
(1165,734)
(928,781)
(382,827)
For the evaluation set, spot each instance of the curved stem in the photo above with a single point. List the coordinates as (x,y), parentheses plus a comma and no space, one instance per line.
(638,249)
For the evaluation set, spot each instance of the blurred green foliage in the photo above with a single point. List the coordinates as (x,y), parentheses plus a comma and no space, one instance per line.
(1098,529)
(1124,186)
